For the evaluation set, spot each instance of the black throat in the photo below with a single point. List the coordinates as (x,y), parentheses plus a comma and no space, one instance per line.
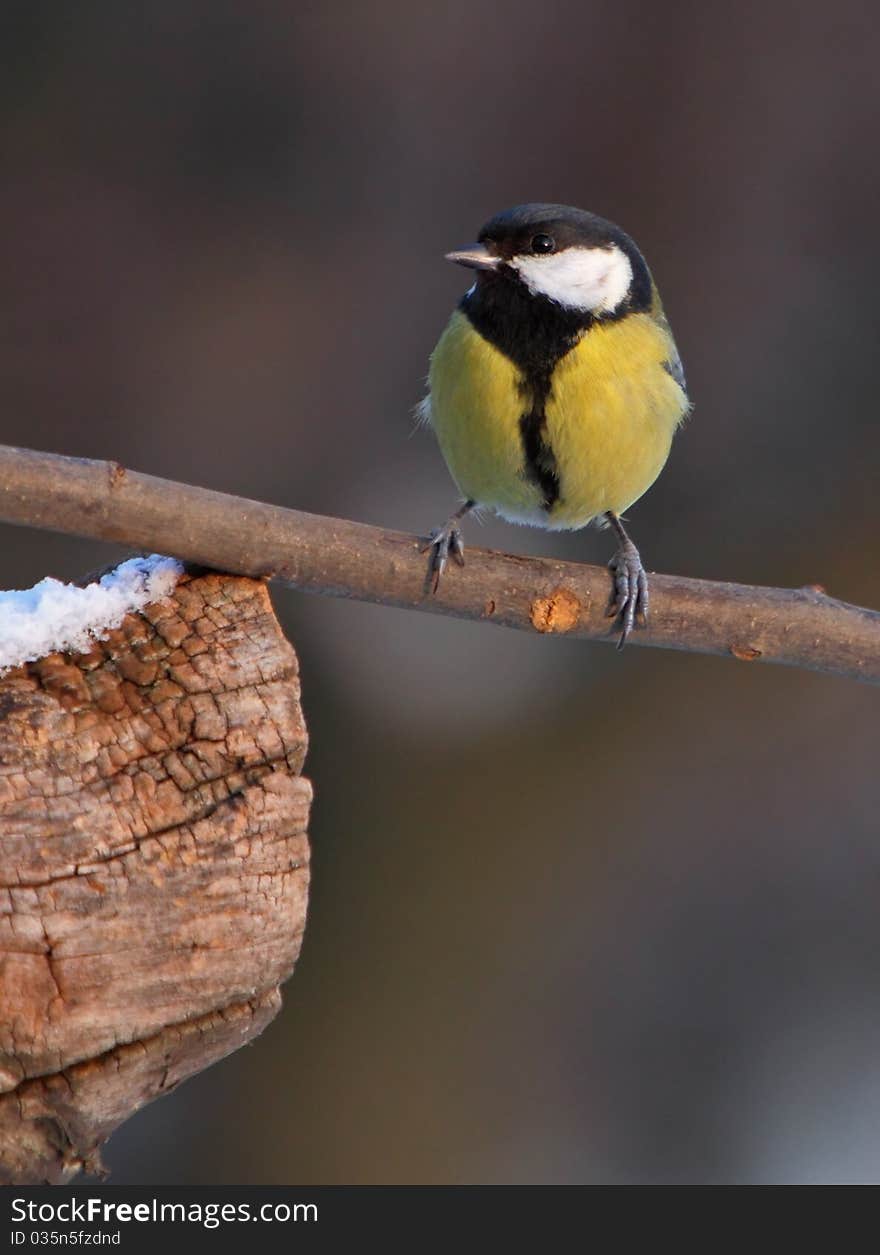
(534,333)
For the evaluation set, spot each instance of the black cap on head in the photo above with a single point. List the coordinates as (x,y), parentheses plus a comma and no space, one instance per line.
(512,232)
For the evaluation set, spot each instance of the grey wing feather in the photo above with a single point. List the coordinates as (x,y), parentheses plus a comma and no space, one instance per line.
(676,370)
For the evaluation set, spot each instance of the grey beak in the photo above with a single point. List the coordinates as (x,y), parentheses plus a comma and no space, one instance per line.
(475,257)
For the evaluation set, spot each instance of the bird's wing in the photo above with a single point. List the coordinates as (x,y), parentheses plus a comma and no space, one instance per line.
(675,368)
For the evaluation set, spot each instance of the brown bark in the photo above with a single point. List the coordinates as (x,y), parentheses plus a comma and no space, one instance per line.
(153,864)
(794,627)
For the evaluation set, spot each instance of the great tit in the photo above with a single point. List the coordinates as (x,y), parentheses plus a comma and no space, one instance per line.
(556,388)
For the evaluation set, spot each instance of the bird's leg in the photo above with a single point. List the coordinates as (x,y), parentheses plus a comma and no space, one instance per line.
(444,541)
(629,595)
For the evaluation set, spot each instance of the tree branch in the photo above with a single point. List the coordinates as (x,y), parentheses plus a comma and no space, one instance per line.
(104,501)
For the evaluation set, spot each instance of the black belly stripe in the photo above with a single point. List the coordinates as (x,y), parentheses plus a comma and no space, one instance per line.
(540,460)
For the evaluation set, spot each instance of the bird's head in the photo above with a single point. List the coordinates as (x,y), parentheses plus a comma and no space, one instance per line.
(561,254)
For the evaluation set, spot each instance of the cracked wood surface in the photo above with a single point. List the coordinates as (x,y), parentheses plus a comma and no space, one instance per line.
(153,864)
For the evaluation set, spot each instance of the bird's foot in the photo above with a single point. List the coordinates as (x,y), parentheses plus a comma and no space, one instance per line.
(443,542)
(629,596)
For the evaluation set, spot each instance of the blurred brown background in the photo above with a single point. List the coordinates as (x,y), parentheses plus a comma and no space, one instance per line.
(576,917)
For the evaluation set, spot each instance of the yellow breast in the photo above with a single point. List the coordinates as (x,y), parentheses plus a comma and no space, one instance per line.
(610,415)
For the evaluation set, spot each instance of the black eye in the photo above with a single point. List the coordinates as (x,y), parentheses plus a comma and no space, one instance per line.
(543,244)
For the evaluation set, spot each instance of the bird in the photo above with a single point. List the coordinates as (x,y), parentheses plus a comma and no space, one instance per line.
(556,387)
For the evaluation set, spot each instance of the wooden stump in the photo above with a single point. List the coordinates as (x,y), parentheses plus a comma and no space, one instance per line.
(153,864)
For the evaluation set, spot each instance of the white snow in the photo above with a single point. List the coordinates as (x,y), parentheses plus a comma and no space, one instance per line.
(53,616)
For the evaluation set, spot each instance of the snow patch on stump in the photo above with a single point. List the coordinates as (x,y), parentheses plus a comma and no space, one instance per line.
(53,617)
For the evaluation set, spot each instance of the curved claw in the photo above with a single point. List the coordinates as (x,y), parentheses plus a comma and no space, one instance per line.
(442,542)
(629,597)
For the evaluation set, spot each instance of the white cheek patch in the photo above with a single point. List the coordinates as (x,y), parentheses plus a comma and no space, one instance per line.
(597,279)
